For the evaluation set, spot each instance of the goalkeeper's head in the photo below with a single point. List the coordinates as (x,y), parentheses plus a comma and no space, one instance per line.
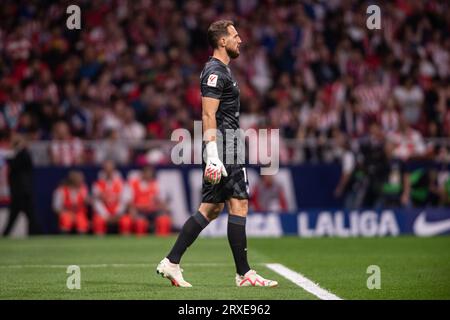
(222,35)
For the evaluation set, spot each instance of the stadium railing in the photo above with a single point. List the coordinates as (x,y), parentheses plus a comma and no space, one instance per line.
(159,151)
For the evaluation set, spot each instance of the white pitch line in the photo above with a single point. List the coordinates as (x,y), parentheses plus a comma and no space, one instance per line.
(103,265)
(302,281)
(111,265)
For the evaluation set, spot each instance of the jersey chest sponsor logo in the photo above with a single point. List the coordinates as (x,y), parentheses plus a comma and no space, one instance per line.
(212,80)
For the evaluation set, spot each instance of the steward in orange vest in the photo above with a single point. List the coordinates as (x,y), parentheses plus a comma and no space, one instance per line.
(110,201)
(147,208)
(70,202)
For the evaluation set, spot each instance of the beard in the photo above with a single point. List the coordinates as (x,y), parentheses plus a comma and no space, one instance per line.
(233,54)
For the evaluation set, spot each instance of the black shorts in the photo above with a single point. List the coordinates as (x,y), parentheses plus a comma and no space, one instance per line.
(233,186)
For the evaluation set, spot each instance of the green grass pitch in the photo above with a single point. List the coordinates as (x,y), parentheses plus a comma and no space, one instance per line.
(124,267)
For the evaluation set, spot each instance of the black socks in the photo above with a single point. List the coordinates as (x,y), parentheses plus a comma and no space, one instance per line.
(238,243)
(190,231)
(236,237)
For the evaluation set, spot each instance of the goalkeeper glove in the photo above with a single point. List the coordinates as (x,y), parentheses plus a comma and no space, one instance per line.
(214,167)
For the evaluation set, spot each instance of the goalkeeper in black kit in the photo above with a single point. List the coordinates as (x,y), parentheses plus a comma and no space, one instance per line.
(225,177)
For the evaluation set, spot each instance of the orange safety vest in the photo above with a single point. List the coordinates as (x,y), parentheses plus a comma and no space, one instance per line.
(110,192)
(144,194)
(77,203)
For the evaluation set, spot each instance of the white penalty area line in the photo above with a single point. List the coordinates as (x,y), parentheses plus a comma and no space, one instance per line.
(302,281)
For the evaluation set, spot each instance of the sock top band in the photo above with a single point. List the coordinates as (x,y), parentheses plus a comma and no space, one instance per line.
(237,219)
(201,220)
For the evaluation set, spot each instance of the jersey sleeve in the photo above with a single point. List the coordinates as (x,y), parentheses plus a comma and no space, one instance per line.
(212,84)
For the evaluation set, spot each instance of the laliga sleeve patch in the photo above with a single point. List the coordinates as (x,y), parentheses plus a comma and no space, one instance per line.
(212,80)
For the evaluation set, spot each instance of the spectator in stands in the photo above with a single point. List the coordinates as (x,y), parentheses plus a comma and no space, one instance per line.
(70,202)
(148,209)
(371,94)
(112,148)
(268,195)
(13,107)
(352,119)
(443,120)
(132,130)
(407,142)
(65,150)
(111,200)
(409,96)
(390,117)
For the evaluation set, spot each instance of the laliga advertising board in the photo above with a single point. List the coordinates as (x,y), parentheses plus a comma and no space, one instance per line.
(364,223)
(325,222)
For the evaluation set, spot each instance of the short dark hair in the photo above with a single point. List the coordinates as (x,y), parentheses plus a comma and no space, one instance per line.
(216,30)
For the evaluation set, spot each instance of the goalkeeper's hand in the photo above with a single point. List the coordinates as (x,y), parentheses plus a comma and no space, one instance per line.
(214,167)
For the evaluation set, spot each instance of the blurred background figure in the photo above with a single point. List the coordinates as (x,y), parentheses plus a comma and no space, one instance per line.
(20,179)
(268,195)
(65,149)
(345,187)
(373,167)
(70,202)
(440,179)
(408,142)
(149,211)
(112,148)
(111,200)
(395,187)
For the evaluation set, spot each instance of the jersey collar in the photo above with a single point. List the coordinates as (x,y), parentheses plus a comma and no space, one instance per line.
(213,58)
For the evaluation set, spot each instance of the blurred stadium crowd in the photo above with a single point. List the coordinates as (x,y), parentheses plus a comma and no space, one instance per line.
(310,68)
